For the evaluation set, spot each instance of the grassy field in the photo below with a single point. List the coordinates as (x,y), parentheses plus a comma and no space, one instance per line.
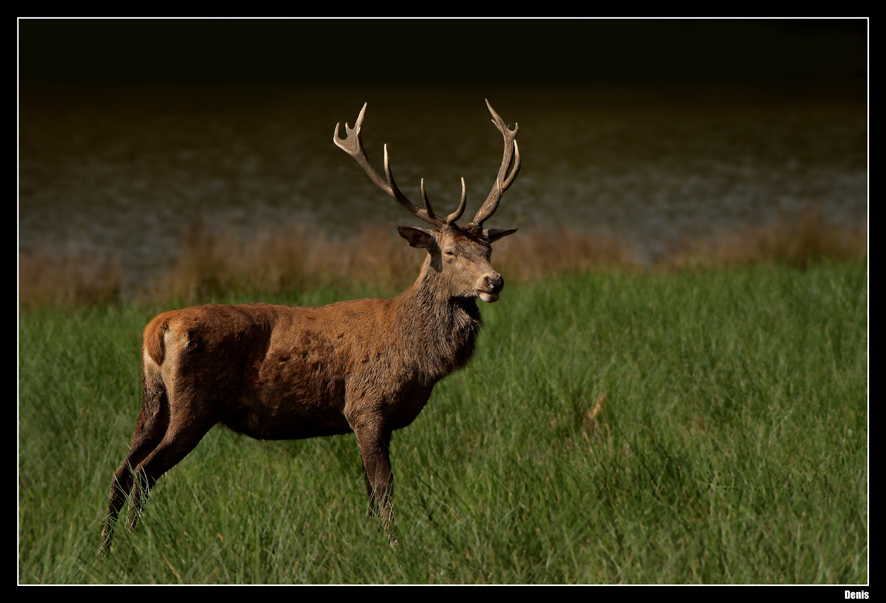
(693,425)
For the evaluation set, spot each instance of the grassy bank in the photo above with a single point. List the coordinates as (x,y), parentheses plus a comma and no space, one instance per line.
(212,264)
(693,425)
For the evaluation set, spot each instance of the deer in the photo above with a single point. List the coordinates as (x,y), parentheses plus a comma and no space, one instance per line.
(276,372)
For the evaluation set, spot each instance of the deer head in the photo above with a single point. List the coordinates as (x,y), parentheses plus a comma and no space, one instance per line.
(458,254)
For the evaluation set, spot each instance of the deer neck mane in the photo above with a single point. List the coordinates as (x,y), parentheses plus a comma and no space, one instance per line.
(444,327)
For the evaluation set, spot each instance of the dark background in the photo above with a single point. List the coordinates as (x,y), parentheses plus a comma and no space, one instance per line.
(435,52)
(135,133)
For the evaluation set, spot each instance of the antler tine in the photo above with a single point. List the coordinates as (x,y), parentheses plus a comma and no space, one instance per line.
(504,179)
(424,198)
(461,206)
(426,214)
(353,146)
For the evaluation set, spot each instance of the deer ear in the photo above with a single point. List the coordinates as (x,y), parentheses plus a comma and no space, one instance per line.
(494,234)
(418,237)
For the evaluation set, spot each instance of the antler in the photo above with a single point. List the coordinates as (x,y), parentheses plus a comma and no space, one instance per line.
(352,145)
(504,180)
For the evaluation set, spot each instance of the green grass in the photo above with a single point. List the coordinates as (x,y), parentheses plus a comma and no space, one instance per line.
(729,446)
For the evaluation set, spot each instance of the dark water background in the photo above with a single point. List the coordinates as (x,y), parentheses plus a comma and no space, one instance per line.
(133,133)
(128,173)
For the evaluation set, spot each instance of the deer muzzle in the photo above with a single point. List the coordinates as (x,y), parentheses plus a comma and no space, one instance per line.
(490,287)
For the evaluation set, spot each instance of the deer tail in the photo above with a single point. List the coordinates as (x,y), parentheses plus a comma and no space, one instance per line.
(153,341)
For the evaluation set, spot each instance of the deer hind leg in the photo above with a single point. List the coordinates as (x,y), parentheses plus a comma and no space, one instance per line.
(150,427)
(184,433)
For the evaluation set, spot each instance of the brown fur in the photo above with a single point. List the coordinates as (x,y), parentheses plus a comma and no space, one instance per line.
(280,372)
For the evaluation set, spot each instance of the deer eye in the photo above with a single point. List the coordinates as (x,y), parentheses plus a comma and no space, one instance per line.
(449,253)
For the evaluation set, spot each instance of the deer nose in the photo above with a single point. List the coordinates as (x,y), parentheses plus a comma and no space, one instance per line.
(495,284)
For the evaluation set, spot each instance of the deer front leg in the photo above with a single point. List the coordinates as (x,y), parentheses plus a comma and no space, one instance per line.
(374,439)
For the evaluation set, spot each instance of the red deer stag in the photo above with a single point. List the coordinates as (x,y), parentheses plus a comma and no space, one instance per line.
(279,372)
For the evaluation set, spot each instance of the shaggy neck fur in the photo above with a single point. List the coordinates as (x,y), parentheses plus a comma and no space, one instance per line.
(442,328)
